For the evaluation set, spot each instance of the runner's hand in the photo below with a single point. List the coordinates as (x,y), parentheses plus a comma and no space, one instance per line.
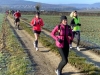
(60,41)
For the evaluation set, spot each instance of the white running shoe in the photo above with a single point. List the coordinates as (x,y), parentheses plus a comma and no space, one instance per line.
(70,45)
(37,48)
(78,48)
(57,72)
(34,45)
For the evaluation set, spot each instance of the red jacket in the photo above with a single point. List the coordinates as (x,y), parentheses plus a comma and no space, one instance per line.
(36,23)
(61,36)
(17,14)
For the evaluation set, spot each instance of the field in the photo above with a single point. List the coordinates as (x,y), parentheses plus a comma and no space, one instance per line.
(1,19)
(89,30)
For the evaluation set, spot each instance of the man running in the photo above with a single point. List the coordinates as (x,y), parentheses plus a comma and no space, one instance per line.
(17,16)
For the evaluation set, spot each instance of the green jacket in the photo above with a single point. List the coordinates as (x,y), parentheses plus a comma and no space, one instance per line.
(76,27)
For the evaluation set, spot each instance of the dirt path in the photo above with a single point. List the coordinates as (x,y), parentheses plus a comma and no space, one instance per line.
(44,61)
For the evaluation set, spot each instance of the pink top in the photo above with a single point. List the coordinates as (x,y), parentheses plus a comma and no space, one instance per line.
(61,36)
(36,23)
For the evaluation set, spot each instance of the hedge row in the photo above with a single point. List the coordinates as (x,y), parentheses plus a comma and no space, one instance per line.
(61,13)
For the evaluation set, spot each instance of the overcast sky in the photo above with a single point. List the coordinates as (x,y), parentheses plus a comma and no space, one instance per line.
(66,1)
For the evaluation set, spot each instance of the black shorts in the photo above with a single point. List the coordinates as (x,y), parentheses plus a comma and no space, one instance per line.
(17,20)
(37,32)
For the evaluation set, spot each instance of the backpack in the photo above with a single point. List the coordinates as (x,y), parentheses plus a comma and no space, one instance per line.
(60,29)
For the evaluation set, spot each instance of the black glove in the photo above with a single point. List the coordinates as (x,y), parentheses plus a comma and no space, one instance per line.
(35,23)
(60,41)
(79,24)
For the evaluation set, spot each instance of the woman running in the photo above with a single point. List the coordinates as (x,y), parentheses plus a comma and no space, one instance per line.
(37,24)
(62,42)
(75,24)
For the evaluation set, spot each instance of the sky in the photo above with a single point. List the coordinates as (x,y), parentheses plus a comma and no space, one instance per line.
(66,1)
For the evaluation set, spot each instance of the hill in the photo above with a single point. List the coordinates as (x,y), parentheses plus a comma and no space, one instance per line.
(29,5)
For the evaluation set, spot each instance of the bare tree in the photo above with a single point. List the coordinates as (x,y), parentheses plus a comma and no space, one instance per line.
(38,7)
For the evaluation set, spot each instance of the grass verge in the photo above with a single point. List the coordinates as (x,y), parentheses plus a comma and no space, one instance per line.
(13,57)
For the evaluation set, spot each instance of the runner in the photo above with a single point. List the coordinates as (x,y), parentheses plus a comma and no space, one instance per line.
(37,24)
(62,42)
(7,12)
(17,16)
(75,24)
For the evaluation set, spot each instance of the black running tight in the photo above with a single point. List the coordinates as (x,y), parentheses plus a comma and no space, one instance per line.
(64,55)
(77,34)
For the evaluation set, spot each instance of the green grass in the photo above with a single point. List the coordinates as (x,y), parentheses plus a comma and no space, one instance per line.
(90,29)
(13,59)
(1,20)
